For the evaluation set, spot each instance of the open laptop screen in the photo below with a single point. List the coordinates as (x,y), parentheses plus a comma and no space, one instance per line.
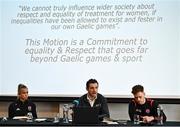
(85,115)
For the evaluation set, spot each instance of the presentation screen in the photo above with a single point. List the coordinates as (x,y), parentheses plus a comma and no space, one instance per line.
(55,46)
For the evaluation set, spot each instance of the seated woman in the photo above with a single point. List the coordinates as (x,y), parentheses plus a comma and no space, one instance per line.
(22,106)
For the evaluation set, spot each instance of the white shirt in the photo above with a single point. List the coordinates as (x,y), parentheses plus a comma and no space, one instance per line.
(91,102)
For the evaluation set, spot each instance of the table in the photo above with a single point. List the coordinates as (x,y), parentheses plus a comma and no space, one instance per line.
(50,122)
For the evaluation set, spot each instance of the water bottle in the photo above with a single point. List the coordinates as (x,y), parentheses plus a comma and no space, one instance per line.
(159,115)
(29,117)
(56,118)
(137,116)
(65,113)
(136,119)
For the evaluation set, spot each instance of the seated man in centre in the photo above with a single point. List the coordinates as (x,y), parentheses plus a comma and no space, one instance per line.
(93,99)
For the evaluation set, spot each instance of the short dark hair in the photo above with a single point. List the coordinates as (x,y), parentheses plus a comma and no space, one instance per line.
(91,81)
(137,88)
(21,86)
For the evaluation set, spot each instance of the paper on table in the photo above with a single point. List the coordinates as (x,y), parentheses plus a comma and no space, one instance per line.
(40,119)
(20,117)
(109,121)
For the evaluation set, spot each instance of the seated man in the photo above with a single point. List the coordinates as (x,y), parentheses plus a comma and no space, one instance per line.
(146,108)
(94,99)
(22,105)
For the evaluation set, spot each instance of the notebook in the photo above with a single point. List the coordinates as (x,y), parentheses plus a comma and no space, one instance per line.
(85,115)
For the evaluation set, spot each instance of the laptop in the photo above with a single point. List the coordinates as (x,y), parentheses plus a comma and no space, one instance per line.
(85,115)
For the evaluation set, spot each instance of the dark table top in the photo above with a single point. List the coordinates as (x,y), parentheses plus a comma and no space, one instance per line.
(50,122)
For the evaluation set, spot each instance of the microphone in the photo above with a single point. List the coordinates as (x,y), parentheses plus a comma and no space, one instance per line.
(75,103)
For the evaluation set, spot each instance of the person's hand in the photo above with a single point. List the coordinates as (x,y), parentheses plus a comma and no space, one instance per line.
(147,119)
